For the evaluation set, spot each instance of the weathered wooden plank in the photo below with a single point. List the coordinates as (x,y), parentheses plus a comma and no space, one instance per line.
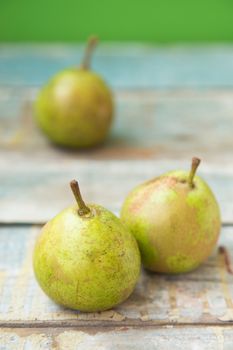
(203,296)
(33,191)
(127,338)
(150,124)
(123,65)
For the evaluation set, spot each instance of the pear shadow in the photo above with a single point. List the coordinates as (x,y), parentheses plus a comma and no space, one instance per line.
(112,142)
(149,279)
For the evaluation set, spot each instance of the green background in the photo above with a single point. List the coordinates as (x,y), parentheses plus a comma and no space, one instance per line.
(121,20)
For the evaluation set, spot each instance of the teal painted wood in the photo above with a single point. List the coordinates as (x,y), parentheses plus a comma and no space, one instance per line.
(203,296)
(123,65)
(159,126)
(37,189)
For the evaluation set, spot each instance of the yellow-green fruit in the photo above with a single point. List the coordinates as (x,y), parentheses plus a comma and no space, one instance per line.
(175,219)
(75,108)
(86,261)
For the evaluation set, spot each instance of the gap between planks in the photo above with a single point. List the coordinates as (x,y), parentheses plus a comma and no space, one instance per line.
(109,324)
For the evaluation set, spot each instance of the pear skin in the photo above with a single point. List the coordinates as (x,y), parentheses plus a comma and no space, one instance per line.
(175,219)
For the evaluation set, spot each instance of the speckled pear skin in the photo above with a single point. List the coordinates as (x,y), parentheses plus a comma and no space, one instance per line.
(176,226)
(75,108)
(86,263)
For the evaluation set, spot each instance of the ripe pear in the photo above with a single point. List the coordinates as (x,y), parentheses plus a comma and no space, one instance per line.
(175,219)
(85,258)
(75,107)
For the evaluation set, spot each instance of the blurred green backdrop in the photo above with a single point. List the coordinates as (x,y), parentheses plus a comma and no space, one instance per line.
(121,20)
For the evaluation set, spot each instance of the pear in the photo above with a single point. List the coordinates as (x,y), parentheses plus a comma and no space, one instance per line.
(75,107)
(85,258)
(175,219)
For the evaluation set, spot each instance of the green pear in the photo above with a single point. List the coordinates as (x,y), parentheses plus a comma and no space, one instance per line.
(85,258)
(75,107)
(175,219)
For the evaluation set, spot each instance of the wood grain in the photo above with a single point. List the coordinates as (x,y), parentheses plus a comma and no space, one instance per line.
(35,191)
(149,124)
(165,129)
(163,338)
(204,296)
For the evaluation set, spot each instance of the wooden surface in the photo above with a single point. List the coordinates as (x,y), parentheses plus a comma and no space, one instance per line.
(172,103)
(203,296)
(163,338)
(151,124)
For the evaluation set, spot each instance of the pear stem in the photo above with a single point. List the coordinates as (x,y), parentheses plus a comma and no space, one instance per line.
(195,164)
(83,209)
(92,42)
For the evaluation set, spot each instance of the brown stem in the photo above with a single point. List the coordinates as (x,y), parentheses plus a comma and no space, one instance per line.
(92,42)
(223,250)
(195,164)
(83,209)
